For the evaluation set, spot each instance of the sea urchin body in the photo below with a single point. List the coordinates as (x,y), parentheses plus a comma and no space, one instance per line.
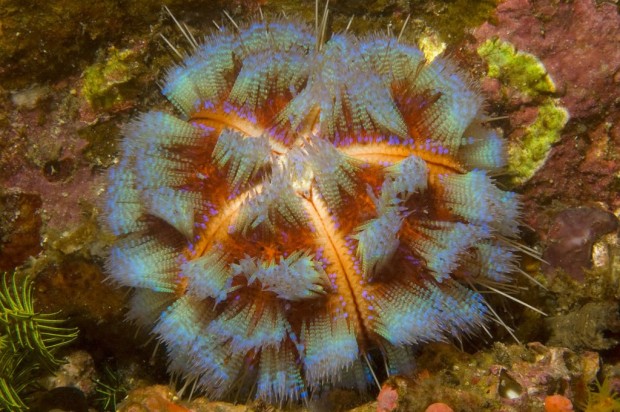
(313,203)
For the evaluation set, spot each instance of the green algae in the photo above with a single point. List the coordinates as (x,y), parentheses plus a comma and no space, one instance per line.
(523,72)
(109,82)
(529,153)
(517,69)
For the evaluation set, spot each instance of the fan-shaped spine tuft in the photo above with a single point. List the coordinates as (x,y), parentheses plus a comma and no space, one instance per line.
(203,76)
(377,241)
(279,376)
(122,204)
(143,263)
(274,199)
(333,171)
(250,324)
(244,156)
(176,207)
(208,276)
(444,245)
(146,306)
(457,106)
(474,197)
(411,314)
(295,277)
(482,148)
(330,347)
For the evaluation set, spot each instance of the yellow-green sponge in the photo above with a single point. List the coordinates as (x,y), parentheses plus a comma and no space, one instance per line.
(526,74)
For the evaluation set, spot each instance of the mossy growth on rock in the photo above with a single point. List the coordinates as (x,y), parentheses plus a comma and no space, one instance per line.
(525,74)
(529,153)
(514,68)
(108,83)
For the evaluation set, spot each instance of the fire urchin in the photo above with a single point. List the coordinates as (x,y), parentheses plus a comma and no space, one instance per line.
(313,201)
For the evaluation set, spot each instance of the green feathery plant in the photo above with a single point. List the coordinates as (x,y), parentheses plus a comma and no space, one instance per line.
(28,342)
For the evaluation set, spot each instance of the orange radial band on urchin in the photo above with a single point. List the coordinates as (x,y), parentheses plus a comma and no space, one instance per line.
(311,210)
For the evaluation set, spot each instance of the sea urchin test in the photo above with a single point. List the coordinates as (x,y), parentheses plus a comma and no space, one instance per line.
(311,211)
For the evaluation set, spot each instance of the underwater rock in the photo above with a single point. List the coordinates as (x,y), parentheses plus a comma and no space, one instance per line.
(160,398)
(42,41)
(41,153)
(392,397)
(30,98)
(157,398)
(75,285)
(112,83)
(577,44)
(591,327)
(508,378)
(540,370)
(20,227)
(61,399)
(78,371)
(577,41)
(571,236)
(582,169)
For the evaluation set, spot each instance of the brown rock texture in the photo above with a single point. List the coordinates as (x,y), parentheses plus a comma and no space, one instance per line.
(20,226)
(577,41)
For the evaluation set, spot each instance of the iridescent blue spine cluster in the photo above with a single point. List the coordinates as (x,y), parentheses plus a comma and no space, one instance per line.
(312,209)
